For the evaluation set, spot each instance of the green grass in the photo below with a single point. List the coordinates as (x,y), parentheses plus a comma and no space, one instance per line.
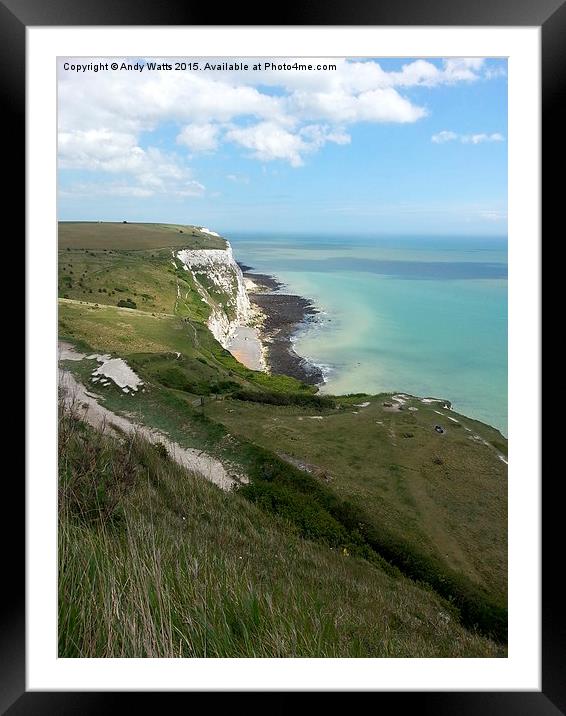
(108,235)
(442,495)
(154,562)
(147,277)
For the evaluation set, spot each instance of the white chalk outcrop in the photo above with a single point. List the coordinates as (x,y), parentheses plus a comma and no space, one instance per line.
(208,231)
(119,371)
(220,275)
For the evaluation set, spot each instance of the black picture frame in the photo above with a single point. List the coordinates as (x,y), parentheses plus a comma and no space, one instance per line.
(550,15)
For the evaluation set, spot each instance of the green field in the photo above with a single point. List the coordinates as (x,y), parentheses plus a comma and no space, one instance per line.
(408,506)
(105,235)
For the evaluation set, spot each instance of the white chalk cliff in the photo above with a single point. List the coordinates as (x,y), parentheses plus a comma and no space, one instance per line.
(222,276)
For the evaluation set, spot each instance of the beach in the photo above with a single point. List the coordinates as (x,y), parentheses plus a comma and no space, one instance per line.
(279,316)
(246,347)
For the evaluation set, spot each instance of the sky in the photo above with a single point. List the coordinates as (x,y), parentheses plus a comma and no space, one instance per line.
(382,146)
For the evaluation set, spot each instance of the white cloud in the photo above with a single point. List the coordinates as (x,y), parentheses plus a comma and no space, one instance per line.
(145,172)
(492,73)
(199,137)
(238,178)
(103,115)
(354,76)
(89,190)
(462,69)
(377,105)
(122,190)
(189,188)
(493,215)
(98,149)
(316,135)
(444,136)
(427,74)
(448,136)
(268,141)
(481,138)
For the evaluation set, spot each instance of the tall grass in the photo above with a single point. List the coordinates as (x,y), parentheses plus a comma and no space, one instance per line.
(156,562)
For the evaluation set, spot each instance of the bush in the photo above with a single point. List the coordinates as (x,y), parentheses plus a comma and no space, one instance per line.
(223,386)
(272,398)
(127,303)
(161,450)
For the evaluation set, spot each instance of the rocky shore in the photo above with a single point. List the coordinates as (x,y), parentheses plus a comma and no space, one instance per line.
(283,314)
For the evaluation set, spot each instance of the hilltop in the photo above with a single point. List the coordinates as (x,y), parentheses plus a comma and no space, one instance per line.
(129,236)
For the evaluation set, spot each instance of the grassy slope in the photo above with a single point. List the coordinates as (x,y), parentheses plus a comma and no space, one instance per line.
(155,562)
(445,494)
(132,333)
(436,497)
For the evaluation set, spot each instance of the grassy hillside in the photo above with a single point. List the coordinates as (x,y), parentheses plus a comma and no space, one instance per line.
(344,478)
(443,494)
(156,562)
(153,340)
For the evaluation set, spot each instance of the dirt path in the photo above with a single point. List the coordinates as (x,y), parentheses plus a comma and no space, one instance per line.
(95,414)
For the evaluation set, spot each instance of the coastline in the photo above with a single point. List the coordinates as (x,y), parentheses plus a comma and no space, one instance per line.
(279,319)
(280,316)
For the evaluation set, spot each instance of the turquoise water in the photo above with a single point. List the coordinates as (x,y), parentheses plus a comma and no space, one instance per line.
(423,315)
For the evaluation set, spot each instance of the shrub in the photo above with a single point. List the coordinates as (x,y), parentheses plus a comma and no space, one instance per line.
(272,398)
(127,303)
(161,450)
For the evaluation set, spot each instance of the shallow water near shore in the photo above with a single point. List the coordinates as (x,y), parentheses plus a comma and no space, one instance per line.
(425,315)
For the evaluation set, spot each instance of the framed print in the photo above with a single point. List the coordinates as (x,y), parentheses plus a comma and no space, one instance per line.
(283,355)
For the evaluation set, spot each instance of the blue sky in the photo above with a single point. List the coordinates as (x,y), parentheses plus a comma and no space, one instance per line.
(403,146)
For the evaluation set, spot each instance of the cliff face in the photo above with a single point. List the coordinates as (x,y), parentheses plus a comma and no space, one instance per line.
(220,283)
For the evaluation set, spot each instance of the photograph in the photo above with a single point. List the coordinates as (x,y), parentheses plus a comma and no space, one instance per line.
(282,317)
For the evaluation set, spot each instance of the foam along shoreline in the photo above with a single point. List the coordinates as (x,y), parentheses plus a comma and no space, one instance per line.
(280,316)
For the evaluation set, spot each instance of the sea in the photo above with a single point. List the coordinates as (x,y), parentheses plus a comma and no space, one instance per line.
(423,315)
